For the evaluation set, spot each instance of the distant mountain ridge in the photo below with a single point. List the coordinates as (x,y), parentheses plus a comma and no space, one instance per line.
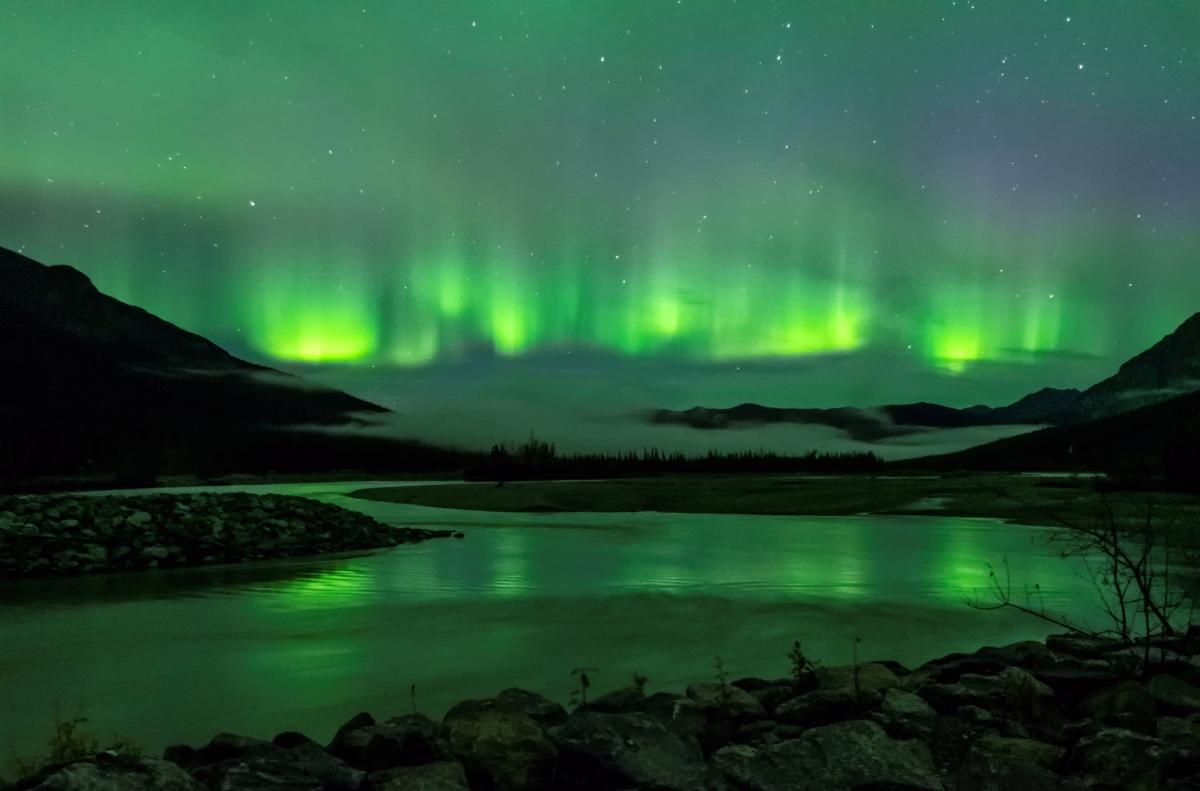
(94,386)
(1161,440)
(874,424)
(1168,369)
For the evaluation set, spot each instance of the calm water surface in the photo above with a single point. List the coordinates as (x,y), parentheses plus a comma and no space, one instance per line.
(165,657)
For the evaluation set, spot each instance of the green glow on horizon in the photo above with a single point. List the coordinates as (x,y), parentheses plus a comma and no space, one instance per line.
(421,183)
(426,309)
(312,313)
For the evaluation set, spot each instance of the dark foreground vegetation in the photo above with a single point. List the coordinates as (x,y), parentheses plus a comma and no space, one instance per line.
(538,460)
(1074,712)
(67,534)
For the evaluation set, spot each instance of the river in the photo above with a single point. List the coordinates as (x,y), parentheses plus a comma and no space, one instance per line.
(176,656)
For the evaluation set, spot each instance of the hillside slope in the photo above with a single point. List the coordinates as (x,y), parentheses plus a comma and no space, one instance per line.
(96,387)
(1159,440)
(1167,369)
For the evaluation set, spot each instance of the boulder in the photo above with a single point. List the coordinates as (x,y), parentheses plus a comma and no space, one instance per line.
(1176,730)
(990,660)
(1075,683)
(762,733)
(1082,646)
(222,747)
(315,761)
(360,720)
(1120,701)
(1012,688)
(906,706)
(855,754)
(437,776)
(261,774)
(230,761)
(917,679)
(538,708)
(117,773)
(1015,677)
(597,749)
(1173,695)
(400,741)
(1118,758)
(1028,751)
(726,700)
(770,694)
(685,717)
(619,700)
(288,739)
(953,697)
(1025,697)
(987,771)
(872,676)
(499,749)
(947,669)
(824,706)
(904,715)
(1027,654)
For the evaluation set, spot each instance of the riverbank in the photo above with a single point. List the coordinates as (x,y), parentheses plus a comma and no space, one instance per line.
(1026,499)
(1070,713)
(71,534)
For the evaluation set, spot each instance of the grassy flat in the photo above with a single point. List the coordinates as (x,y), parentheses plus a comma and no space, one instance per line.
(1017,498)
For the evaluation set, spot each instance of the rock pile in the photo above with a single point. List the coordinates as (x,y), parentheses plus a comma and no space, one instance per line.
(68,534)
(1067,714)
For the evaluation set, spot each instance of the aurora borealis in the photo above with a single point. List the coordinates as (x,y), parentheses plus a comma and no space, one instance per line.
(946,185)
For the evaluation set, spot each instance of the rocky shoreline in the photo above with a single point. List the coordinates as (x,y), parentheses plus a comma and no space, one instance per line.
(1071,713)
(72,534)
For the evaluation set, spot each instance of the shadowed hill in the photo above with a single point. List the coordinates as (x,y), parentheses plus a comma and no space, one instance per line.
(1158,440)
(1142,421)
(872,425)
(1167,369)
(96,387)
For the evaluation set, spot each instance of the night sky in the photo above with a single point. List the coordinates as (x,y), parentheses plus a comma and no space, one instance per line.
(796,203)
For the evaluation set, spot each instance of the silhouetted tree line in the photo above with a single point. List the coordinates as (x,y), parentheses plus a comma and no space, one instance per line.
(539,460)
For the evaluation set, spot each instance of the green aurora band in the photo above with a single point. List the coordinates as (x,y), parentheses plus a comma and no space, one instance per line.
(404,184)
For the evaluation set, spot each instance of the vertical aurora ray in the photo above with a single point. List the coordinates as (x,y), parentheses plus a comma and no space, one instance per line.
(695,304)
(418,185)
(313,311)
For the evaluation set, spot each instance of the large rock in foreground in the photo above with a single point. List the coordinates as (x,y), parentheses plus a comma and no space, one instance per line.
(118,773)
(1013,717)
(502,748)
(855,754)
(631,750)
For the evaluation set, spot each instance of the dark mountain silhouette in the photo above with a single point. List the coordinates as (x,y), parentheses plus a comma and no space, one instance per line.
(1142,421)
(1167,369)
(96,387)
(1160,440)
(1163,372)
(1048,405)
(870,425)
